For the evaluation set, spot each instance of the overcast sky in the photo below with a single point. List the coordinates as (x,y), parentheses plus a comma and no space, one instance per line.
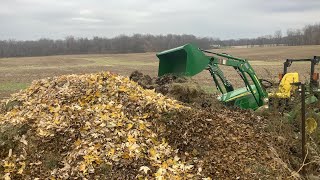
(56,19)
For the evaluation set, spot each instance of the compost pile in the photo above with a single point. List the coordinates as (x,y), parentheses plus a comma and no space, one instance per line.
(87,126)
(104,126)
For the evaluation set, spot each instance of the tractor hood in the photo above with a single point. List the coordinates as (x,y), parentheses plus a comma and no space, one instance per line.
(241,97)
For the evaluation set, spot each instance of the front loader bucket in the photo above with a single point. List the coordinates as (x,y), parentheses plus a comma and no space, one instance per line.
(187,60)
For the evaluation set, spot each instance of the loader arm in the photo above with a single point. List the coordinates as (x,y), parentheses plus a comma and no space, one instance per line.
(217,74)
(243,68)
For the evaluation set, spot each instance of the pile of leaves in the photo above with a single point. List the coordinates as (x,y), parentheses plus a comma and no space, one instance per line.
(88,126)
(105,126)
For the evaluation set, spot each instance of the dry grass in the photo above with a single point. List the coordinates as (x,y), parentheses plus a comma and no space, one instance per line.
(17,73)
(275,53)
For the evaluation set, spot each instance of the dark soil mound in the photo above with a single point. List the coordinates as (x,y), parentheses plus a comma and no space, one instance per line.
(180,88)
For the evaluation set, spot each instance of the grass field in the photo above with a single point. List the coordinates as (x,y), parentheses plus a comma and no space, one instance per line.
(18,73)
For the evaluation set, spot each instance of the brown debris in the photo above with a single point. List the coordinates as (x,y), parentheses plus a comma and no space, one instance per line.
(227,144)
(180,88)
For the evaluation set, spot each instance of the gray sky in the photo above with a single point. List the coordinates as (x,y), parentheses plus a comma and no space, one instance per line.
(34,19)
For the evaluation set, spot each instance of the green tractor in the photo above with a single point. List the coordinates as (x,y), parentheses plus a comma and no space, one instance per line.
(189,60)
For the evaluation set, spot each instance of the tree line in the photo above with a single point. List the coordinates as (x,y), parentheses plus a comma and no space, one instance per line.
(309,35)
(138,43)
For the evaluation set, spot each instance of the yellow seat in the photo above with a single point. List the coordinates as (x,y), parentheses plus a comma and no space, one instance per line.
(285,87)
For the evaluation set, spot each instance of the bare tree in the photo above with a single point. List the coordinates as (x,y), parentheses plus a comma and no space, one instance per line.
(278,37)
(309,35)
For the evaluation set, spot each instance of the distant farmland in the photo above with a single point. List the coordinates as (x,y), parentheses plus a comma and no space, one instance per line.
(18,73)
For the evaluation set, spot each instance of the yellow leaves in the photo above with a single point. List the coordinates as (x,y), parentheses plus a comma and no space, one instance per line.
(54,109)
(207,178)
(109,116)
(153,154)
(77,107)
(89,92)
(103,125)
(97,94)
(122,89)
(177,177)
(83,168)
(21,169)
(97,146)
(142,126)
(146,115)
(91,81)
(82,102)
(125,155)
(170,162)
(133,97)
(35,163)
(77,143)
(42,132)
(87,126)
(88,98)
(311,125)
(115,115)
(186,167)
(164,165)
(176,158)
(111,152)
(129,126)
(145,169)
(7,176)
(160,173)
(9,167)
(56,121)
(119,124)
(131,139)
(104,116)
(89,158)
(98,161)
(133,147)
(177,106)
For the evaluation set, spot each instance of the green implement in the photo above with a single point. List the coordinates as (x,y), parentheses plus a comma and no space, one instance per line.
(189,60)
(185,60)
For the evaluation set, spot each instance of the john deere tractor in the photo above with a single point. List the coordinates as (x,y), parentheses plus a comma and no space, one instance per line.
(189,60)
